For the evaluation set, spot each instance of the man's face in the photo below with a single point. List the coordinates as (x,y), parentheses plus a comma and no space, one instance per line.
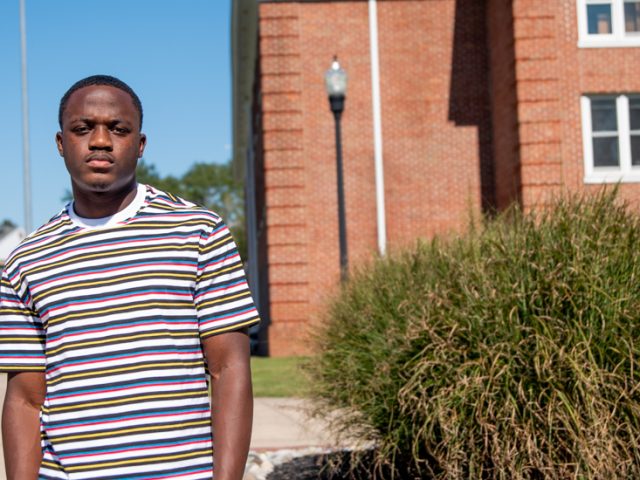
(100,139)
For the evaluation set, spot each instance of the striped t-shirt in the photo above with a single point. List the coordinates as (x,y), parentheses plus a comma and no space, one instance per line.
(114,312)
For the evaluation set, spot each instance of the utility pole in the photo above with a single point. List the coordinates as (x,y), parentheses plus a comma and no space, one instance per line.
(26,169)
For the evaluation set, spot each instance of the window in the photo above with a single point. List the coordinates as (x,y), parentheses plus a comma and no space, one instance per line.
(609,23)
(611,138)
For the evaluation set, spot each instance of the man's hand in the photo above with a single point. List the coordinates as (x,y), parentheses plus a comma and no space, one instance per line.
(232,402)
(21,424)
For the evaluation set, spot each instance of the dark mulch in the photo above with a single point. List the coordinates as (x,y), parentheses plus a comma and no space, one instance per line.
(333,466)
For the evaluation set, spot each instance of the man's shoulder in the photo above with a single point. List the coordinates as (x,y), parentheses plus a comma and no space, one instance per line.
(53,228)
(172,206)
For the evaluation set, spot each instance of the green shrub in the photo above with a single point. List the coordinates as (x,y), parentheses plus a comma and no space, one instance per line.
(511,352)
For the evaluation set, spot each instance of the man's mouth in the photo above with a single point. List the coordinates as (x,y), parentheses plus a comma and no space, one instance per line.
(97,161)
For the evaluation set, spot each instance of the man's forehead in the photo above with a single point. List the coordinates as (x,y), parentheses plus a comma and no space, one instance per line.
(105,95)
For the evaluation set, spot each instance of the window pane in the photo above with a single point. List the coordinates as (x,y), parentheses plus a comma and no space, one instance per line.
(599,18)
(635,150)
(603,115)
(605,152)
(634,113)
(632,16)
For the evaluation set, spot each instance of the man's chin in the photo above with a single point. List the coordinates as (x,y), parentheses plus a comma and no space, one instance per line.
(101,185)
(96,187)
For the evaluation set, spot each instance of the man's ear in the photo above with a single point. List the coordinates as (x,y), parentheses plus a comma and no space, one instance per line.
(59,143)
(143,143)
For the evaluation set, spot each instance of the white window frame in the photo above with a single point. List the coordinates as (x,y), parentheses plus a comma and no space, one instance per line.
(618,38)
(625,172)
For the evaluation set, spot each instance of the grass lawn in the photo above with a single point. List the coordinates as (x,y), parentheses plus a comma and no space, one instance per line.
(277,377)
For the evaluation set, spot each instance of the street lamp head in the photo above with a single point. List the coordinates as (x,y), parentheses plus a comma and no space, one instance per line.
(336,80)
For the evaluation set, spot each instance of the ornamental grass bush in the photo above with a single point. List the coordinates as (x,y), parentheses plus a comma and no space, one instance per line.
(508,353)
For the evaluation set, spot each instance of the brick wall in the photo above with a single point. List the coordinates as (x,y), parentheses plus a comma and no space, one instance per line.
(551,75)
(504,102)
(589,71)
(436,129)
(537,76)
(435,116)
(480,108)
(285,219)
(297,42)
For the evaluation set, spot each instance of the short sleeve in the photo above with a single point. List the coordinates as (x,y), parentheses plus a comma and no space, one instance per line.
(222,297)
(22,337)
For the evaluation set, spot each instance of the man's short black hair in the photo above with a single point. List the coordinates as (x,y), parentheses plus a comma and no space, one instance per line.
(99,80)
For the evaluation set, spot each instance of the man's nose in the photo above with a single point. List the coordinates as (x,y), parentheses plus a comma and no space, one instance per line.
(100,139)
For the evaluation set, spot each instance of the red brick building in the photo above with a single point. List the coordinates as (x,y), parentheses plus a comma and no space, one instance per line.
(468,105)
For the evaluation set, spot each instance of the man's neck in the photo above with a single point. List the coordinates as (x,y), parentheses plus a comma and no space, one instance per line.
(102,204)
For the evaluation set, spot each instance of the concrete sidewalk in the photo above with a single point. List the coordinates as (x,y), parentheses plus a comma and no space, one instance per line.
(281,423)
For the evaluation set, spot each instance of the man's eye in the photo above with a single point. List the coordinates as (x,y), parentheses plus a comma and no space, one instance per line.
(120,130)
(82,129)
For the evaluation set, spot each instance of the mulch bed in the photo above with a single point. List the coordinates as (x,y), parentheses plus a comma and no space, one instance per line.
(337,465)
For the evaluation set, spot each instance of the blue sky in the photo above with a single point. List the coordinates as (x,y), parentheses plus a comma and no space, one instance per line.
(175,55)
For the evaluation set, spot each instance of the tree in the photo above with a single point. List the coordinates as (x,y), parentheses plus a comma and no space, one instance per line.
(6,226)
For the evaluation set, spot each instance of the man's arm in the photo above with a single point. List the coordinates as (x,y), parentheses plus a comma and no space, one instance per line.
(21,424)
(228,358)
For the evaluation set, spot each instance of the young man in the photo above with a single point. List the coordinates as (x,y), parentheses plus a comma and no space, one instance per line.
(110,313)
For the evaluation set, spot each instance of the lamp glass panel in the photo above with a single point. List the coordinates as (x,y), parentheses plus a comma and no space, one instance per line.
(336,82)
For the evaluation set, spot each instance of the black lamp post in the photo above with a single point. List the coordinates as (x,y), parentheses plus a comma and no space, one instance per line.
(336,83)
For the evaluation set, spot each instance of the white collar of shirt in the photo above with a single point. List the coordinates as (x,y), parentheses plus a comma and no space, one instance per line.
(128,212)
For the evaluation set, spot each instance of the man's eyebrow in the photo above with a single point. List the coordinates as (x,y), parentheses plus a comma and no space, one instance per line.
(116,121)
(81,120)
(91,120)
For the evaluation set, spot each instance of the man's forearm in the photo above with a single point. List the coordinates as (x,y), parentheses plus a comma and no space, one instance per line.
(232,414)
(231,401)
(21,429)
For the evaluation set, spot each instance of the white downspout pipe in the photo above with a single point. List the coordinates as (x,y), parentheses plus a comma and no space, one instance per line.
(377,127)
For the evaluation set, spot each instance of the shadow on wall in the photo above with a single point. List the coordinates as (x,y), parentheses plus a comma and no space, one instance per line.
(469,94)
